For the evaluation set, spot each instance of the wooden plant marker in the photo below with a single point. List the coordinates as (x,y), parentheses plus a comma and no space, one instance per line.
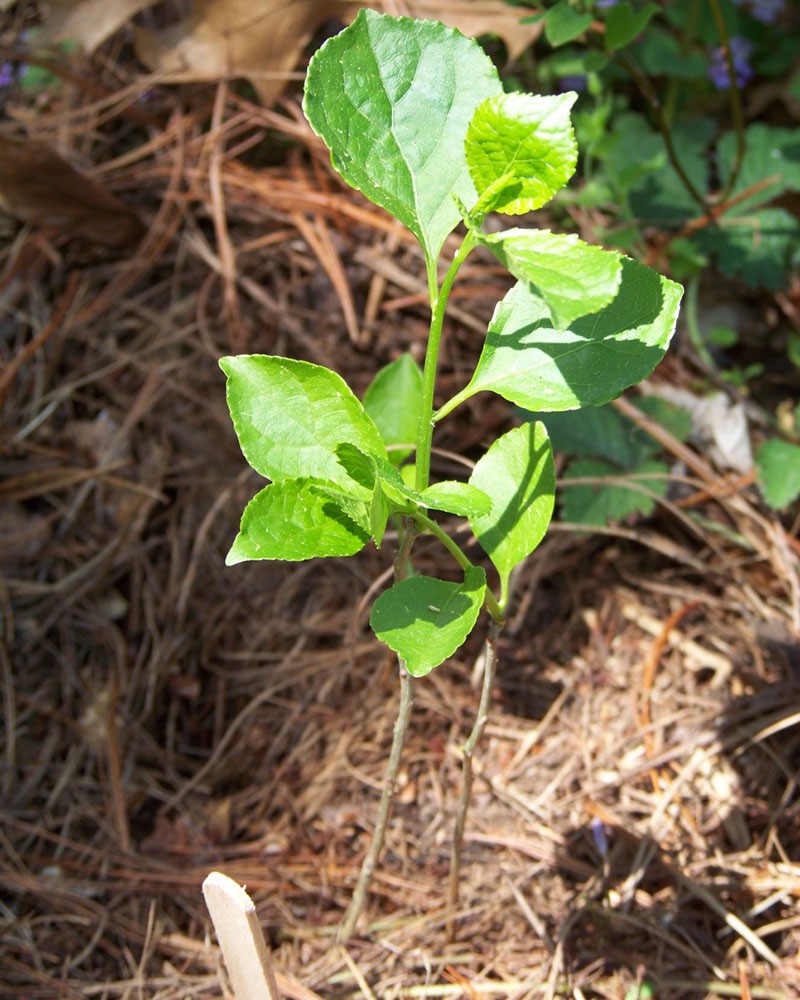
(243,948)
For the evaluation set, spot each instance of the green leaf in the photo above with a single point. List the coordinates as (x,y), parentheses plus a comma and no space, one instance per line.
(294,520)
(602,432)
(290,416)
(757,247)
(573,277)
(770,166)
(425,620)
(520,150)
(528,362)
(778,464)
(623,23)
(393,400)
(461,499)
(518,475)
(604,502)
(563,23)
(392,98)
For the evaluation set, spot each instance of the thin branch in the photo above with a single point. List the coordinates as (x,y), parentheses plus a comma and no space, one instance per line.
(457,849)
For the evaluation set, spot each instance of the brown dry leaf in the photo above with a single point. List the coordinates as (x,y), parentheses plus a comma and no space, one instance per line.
(489,18)
(258,39)
(263,40)
(41,188)
(87,22)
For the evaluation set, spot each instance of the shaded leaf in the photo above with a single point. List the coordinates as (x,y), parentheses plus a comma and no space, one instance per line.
(291,520)
(520,150)
(602,503)
(425,620)
(518,475)
(290,416)
(574,278)
(758,246)
(392,99)
(393,401)
(623,23)
(563,23)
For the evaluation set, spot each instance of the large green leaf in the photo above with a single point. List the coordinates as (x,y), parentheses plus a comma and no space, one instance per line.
(518,475)
(563,23)
(392,98)
(623,23)
(573,277)
(520,150)
(290,416)
(530,363)
(294,520)
(393,401)
(425,620)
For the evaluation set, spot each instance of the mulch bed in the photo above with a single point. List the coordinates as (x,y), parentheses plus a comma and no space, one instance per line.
(636,816)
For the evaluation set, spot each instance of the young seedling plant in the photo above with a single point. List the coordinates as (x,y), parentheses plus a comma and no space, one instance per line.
(416,118)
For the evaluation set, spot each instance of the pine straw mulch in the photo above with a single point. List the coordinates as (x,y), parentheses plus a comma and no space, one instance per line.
(636,815)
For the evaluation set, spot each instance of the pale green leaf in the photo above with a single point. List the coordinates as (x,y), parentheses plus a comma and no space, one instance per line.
(425,620)
(294,520)
(462,499)
(518,475)
(573,277)
(290,416)
(530,363)
(778,464)
(393,400)
(520,150)
(392,98)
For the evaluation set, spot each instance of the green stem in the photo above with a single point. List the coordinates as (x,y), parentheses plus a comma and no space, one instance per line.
(455,550)
(438,298)
(735,99)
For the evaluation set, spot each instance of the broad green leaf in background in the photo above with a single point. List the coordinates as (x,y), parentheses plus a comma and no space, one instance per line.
(602,432)
(573,277)
(293,520)
(392,98)
(758,246)
(563,23)
(623,23)
(521,150)
(290,416)
(462,499)
(778,464)
(528,362)
(623,495)
(518,475)
(393,400)
(770,166)
(425,620)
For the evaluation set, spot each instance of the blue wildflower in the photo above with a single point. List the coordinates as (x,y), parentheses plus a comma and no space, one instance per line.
(7,74)
(741,48)
(766,11)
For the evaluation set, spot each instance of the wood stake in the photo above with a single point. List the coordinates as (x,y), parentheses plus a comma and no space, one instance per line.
(239,934)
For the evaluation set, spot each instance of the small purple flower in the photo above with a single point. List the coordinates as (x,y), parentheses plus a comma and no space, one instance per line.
(7,74)
(766,11)
(600,837)
(604,4)
(574,81)
(718,63)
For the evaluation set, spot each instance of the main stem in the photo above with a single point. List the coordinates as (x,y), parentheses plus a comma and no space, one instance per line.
(371,858)
(457,849)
